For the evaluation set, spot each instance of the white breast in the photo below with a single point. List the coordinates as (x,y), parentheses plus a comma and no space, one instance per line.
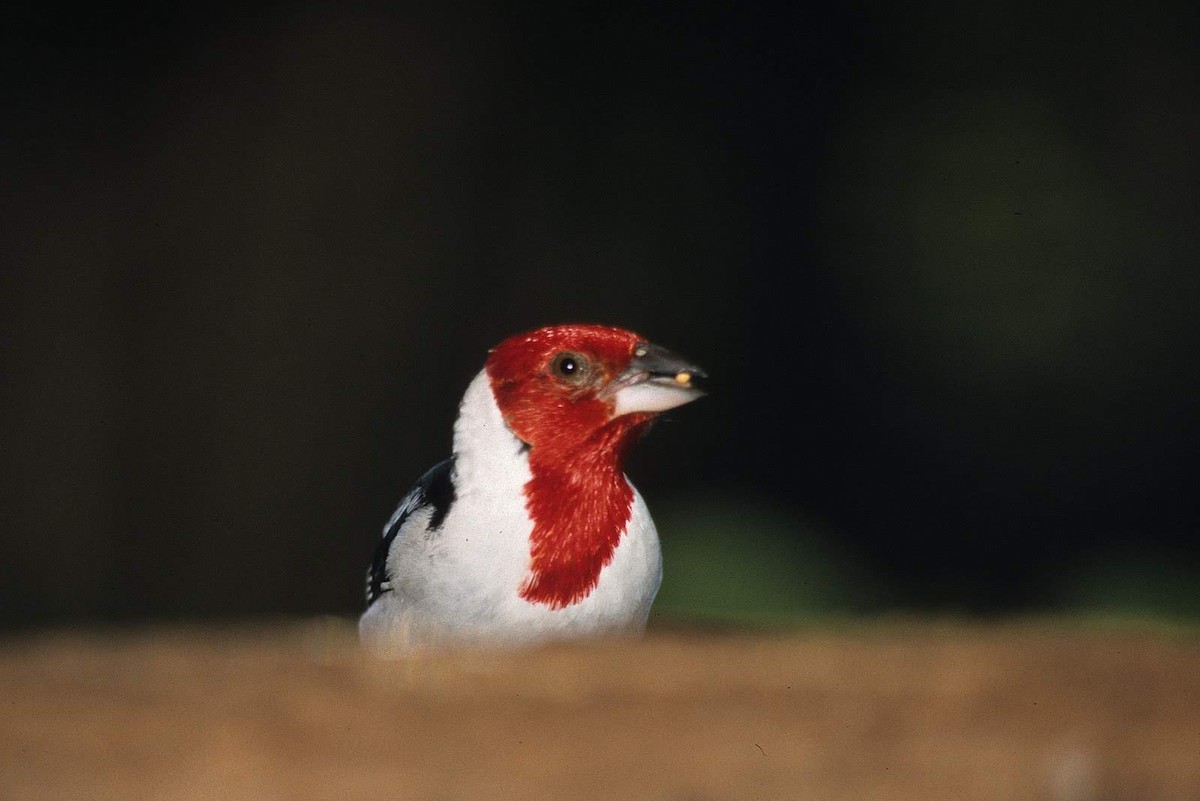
(460,584)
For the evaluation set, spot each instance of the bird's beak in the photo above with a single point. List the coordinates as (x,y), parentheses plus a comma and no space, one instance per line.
(655,381)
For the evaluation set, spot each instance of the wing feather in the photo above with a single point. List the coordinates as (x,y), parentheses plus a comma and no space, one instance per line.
(434,490)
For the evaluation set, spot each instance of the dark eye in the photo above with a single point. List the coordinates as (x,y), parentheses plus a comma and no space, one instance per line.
(570,366)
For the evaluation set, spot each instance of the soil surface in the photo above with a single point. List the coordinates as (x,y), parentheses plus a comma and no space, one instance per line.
(897,712)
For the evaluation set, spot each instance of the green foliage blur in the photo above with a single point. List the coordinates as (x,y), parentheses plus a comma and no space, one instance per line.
(729,559)
(746,561)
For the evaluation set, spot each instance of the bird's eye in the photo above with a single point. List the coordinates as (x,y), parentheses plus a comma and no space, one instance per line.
(570,366)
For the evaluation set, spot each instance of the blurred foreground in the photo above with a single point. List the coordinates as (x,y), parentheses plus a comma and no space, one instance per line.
(898,712)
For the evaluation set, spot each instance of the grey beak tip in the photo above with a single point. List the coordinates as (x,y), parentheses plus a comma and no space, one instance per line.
(662,363)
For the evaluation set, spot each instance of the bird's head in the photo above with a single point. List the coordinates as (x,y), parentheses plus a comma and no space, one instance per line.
(578,396)
(566,386)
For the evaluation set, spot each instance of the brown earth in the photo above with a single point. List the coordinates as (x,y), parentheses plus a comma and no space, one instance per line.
(882,712)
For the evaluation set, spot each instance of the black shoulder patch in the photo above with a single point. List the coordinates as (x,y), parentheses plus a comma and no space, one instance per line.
(434,491)
(438,490)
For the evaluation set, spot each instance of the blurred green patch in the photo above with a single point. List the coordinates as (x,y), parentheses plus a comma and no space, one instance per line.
(743,560)
(1150,582)
(984,243)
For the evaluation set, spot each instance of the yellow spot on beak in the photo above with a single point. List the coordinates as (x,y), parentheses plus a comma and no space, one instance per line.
(683,379)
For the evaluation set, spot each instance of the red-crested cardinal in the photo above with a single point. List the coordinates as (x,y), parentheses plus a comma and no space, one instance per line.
(530,530)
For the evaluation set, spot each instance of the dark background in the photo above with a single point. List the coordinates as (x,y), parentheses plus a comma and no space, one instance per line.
(940,260)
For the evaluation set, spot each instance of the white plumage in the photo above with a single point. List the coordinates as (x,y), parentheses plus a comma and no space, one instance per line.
(448,587)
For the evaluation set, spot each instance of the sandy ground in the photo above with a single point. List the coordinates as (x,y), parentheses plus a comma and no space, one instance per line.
(882,712)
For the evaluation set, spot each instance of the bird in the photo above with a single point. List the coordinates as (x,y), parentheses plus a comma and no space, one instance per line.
(531,531)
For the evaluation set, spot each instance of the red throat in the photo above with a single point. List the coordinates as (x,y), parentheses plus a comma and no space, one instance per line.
(580,504)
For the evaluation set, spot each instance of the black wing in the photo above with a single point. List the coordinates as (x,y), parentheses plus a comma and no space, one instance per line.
(434,490)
